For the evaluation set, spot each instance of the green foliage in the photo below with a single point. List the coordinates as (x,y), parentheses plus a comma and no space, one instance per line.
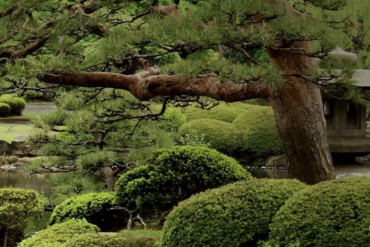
(222,136)
(122,239)
(231,216)
(260,102)
(4,110)
(173,117)
(174,175)
(222,113)
(333,213)
(58,234)
(16,104)
(16,207)
(261,136)
(84,206)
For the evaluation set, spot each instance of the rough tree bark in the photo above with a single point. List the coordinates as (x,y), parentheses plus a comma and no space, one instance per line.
(300,118)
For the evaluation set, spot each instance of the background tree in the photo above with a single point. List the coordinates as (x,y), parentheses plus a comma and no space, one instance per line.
(43,42)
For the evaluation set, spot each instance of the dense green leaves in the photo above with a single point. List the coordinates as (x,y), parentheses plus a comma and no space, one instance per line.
(57,235)
(221,136)
(174,175)
(331,214)
(16,207)
(231,216)
(261,135)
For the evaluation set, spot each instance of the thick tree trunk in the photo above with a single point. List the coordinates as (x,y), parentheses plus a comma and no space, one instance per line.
(300,119)
(299,113)
(109,177)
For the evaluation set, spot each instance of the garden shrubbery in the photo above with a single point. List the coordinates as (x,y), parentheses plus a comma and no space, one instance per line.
(4,110)
(221,136)
(16,207)
(122,239)
(58,234)
(15,103)
(231,216)
(174,175)
(261,136)
(94,207)
(174,118)
(335,213)
(222,113)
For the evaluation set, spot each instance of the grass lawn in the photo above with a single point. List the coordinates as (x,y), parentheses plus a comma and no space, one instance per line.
(8,134)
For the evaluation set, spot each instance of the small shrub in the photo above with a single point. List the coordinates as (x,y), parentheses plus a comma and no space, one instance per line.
(94,208)
(16,104)
(89,240)
(4,110)
(59,234)
(222,113)
(175,175)
(223,137)
(122,239)
(231,216)
(261,136)
(335,213)
(16,207)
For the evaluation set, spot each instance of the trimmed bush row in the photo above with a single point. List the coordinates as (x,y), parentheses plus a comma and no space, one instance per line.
(15,104)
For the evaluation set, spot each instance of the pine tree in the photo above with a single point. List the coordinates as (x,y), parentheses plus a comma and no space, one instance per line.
(144,48)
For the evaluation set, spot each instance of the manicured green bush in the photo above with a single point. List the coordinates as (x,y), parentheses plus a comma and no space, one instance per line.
(261,136)
(222,136)
(58,234)
(175,175)
(335,213)
(94,208)
(89,240)
(122,239)
(231,216)
(4,110)
(222,113)
(16,104)
(16,207)
(174,118)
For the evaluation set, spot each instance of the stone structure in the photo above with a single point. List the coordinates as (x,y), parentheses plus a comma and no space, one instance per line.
(346,122)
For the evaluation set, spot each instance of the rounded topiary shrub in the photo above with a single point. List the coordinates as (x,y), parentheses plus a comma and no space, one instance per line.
(261,136)
(174,175)
(59,234)
(222,113)
(231,216)
(16,207)
(16,104)
(221,136)
(4,110)
(94,207)
(335,213)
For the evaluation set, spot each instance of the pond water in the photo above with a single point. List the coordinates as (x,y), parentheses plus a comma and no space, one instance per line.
(341,170)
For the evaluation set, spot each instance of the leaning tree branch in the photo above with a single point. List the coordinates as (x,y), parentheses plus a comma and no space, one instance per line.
(9,10)
(148,84)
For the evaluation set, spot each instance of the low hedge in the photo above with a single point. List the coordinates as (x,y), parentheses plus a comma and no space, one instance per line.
(222,113)
(335,213)
(58,234)
(261,136)
(122,239)
(16,207)
(175,175)
(16,104)
(94,208)
(231,216)
(221,136)
(4,110)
